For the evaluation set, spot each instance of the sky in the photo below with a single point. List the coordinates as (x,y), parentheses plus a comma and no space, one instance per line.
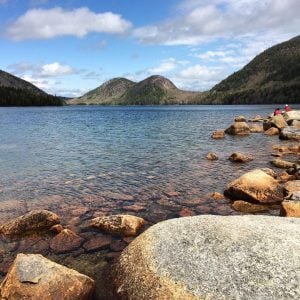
(70,47)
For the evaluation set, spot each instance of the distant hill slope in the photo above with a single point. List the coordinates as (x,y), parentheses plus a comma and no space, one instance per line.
(271,77)
(15,91)
(150,91)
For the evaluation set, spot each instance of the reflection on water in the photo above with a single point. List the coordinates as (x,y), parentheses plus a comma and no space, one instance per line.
(147,161)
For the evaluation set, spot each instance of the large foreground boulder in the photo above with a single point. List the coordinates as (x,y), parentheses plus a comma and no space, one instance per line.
(34,277)
(255,186)
(123,225)
(35,221)
(212,257)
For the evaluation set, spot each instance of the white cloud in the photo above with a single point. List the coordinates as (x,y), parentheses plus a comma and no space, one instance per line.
(56,69)
(166,65)
(201,73)
(50,23)
(203,21)
(40,83)
(199,77)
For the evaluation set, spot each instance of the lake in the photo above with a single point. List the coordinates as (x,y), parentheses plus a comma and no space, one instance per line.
(112,157)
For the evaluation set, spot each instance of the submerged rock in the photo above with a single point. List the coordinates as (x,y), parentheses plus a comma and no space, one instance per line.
(212,156)
(97,242)
(36,221)
(34,277)
(124,225)
(240,157)
(66,241)
(246,207)
(212,257)
(218,134)
(255,186)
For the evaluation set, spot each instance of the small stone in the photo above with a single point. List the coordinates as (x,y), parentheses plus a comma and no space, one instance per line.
(212,156)
(186,212)
(217,196)
(124,225)
(218,134)
(240,157)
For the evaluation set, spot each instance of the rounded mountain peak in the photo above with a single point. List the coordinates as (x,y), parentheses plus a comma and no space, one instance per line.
(159,81)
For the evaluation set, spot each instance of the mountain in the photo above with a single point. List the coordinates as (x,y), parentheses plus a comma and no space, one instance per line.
(150,91)
(108,93)
(15,91)
(271,77)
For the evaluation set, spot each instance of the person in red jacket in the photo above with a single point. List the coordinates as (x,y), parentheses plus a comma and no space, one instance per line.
(277,111)
(287,108)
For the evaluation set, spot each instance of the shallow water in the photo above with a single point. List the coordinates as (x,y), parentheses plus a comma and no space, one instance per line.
(121,159)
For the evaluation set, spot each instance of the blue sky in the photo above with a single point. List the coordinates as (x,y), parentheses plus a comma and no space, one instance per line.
(69,47)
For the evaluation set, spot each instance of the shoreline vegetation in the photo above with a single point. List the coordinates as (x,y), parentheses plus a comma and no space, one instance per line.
(162,261)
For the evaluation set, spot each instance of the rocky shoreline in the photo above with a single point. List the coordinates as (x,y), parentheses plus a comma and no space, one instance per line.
(94,241)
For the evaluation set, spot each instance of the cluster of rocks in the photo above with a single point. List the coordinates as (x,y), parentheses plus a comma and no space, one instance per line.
(32,276)
(259,190)
(287,126)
